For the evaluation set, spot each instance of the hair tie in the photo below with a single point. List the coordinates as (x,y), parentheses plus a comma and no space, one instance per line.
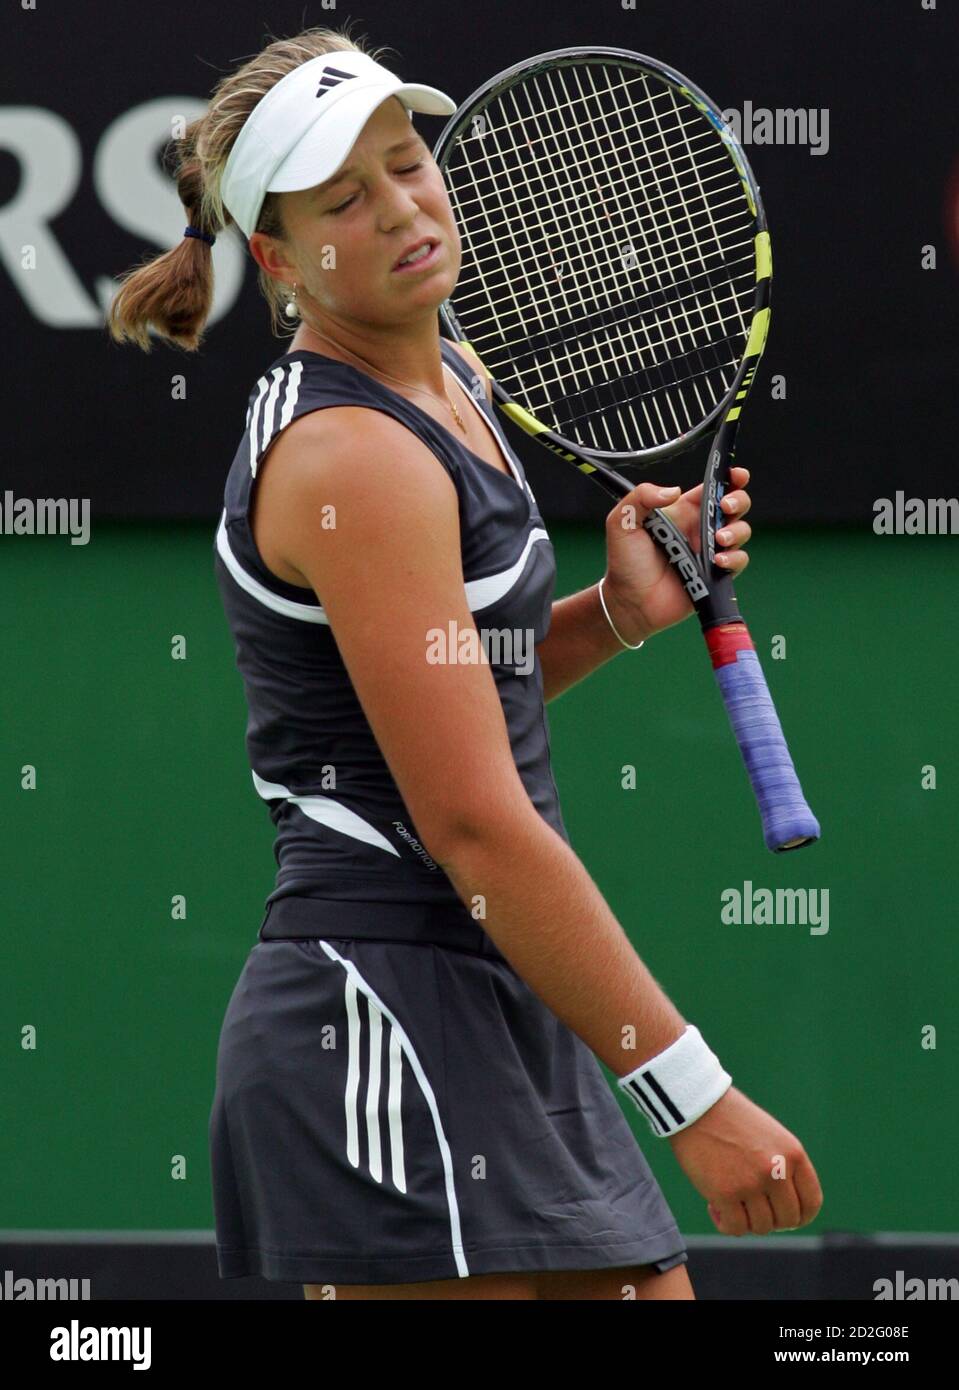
(203,236)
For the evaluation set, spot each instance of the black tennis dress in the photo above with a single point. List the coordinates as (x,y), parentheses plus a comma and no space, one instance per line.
(393,1103)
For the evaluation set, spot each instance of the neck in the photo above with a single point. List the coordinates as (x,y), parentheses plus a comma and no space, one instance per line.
(412,356)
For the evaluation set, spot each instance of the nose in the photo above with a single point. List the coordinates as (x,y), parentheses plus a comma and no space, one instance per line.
(397,205)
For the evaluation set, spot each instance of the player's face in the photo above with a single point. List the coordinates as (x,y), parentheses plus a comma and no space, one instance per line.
(347,236)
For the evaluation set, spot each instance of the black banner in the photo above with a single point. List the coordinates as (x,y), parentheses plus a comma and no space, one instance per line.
(847,114)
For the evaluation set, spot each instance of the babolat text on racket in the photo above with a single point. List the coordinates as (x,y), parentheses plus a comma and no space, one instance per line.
(615,285)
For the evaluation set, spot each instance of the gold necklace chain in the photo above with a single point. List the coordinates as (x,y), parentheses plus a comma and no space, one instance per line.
(456,415)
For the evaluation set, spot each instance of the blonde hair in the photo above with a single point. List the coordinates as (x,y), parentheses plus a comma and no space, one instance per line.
(173,292)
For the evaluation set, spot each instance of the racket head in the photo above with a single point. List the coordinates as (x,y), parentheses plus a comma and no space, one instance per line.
(616,265)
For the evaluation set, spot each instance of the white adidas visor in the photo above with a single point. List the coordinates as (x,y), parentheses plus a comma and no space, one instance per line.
(301,132)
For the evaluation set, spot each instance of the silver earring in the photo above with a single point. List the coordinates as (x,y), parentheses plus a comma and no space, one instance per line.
(291,310)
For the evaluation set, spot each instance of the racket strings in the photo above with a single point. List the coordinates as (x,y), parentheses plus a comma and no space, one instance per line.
(684,370)
(651,166)
(474,226)
(647,302)
(554,362)
(747,263)
(712,320)
(674,355)
(697,248)
(482,192)
(563,108)
(619,350)
(656,294)
(599,228)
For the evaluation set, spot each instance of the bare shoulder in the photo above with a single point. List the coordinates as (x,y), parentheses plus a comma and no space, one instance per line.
(359,465)
(365,458)
(354,441)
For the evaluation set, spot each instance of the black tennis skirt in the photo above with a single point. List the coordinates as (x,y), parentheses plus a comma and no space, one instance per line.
(394,1105)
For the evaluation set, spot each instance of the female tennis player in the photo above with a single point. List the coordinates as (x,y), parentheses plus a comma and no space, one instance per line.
(408,1100)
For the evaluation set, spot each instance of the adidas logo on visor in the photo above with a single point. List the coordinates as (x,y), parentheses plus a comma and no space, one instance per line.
(332,77)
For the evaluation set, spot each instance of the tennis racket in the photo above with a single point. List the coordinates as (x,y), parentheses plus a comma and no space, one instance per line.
(615,285)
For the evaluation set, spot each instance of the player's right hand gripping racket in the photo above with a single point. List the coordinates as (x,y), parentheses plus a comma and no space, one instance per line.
(615,285)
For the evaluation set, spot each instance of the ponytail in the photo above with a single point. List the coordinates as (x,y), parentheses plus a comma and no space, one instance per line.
(173,292)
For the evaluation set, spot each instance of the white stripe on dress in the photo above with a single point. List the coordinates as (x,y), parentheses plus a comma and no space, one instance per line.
(355,982)
(326,811)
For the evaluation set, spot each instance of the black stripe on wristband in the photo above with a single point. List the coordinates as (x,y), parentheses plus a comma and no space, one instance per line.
(645,1102)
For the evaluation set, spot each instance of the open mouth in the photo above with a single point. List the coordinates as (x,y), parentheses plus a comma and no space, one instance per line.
(420,256)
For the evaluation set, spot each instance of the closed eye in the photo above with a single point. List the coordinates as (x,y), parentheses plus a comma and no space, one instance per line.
(410,169)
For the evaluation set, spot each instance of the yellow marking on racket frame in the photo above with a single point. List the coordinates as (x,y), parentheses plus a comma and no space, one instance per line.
(522,417)
(757,333)
(754,346)
(764,256)
(532,426)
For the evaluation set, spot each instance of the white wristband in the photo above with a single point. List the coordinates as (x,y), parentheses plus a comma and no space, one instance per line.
(678,1085)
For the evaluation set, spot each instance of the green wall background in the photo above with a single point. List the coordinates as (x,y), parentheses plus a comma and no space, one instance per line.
(144,792)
